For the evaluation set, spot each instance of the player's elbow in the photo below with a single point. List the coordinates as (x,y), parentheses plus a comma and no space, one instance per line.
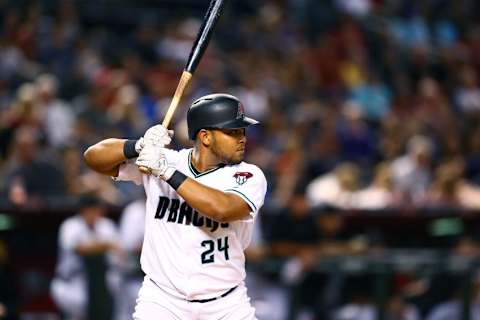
(215,213)
(88,156)
(230,214)
(99,157)
(91,155)
(222,217)
(218,213)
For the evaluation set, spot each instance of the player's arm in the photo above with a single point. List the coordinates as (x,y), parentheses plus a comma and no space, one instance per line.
(95,248)
(218,205)
(106,156)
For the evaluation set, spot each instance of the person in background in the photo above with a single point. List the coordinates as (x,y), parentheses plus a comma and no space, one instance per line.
(335,188)
(85,235)
(132,230)
(379,194)
(412,171)
(56,115)
(32,179)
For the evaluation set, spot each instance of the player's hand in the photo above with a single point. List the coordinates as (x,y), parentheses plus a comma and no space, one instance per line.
(158,136)
(155,160)
(139,145)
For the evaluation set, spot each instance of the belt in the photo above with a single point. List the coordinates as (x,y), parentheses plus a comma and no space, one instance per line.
(216,298)
(206,300)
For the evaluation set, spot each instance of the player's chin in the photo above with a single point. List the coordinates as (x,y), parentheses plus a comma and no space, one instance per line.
(236,158)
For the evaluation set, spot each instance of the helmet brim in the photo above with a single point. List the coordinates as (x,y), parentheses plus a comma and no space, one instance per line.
(238,123)
(233,124)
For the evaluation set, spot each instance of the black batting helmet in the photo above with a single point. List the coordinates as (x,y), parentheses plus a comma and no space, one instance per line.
(216,111)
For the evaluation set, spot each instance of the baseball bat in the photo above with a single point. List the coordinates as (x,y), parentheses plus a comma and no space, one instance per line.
(199,46)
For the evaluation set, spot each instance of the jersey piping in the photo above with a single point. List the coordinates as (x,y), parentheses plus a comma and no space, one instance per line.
(250,203)
(197,173)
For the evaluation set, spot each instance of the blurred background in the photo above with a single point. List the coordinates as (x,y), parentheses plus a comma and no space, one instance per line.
(369,138)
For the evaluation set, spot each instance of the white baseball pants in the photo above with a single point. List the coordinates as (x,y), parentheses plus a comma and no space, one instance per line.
(153,303)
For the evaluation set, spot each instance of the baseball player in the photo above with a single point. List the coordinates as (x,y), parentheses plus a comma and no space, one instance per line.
(88,233)
(200,209)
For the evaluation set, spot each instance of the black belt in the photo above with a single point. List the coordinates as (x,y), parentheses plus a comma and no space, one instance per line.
(205,300)
(216,298)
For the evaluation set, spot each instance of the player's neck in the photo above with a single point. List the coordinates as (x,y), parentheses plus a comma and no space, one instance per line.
(204,161)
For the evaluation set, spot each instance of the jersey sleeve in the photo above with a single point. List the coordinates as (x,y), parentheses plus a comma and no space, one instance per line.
(69,235)
(251,185)
(128,171)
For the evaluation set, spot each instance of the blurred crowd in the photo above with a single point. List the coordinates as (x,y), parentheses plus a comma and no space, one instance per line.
(364,105)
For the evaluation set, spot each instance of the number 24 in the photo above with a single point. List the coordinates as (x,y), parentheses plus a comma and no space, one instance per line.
(208,255)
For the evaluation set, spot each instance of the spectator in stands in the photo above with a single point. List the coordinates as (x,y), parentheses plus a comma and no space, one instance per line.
(373,98)
(87,243)
(356,139)
(336,188)
(125,112)
(33,179)
(56,115)
(430,100)
(24,110)
(467,94)
(20,112)
(411,172)
(444,189)
(379,194)
(451,190)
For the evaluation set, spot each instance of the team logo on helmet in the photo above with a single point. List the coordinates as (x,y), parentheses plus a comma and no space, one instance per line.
(240,111)
(242,177)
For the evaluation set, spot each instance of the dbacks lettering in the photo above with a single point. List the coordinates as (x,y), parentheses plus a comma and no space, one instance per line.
(184,214)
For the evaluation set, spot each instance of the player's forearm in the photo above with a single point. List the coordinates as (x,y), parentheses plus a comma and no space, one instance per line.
(106,156)
(218,205)
(94,248)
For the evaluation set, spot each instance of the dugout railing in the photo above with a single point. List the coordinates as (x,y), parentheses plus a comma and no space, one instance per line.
(415,242)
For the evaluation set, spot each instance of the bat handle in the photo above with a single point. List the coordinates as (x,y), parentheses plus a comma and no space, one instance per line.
(182,84)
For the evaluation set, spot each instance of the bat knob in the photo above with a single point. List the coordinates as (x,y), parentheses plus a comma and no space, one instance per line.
(144,170)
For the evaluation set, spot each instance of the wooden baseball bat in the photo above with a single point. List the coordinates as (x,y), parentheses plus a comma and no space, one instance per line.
(198,48)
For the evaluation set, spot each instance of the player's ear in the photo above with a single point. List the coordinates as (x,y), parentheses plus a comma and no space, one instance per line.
(205,137)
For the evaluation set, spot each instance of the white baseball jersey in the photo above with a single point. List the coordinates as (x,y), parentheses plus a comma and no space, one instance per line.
(69,287)
(184,252)
(74,232)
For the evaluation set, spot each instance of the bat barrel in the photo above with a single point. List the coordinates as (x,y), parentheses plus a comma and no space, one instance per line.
(204,34)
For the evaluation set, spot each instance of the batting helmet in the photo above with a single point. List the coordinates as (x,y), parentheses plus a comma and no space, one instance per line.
(216,111)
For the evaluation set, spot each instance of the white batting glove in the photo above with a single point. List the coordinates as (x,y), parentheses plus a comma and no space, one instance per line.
(139,145)
(155,159)
(158,136)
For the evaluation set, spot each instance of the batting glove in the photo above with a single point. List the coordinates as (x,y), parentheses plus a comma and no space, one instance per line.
(155,160)
(139,145)
(158,136)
